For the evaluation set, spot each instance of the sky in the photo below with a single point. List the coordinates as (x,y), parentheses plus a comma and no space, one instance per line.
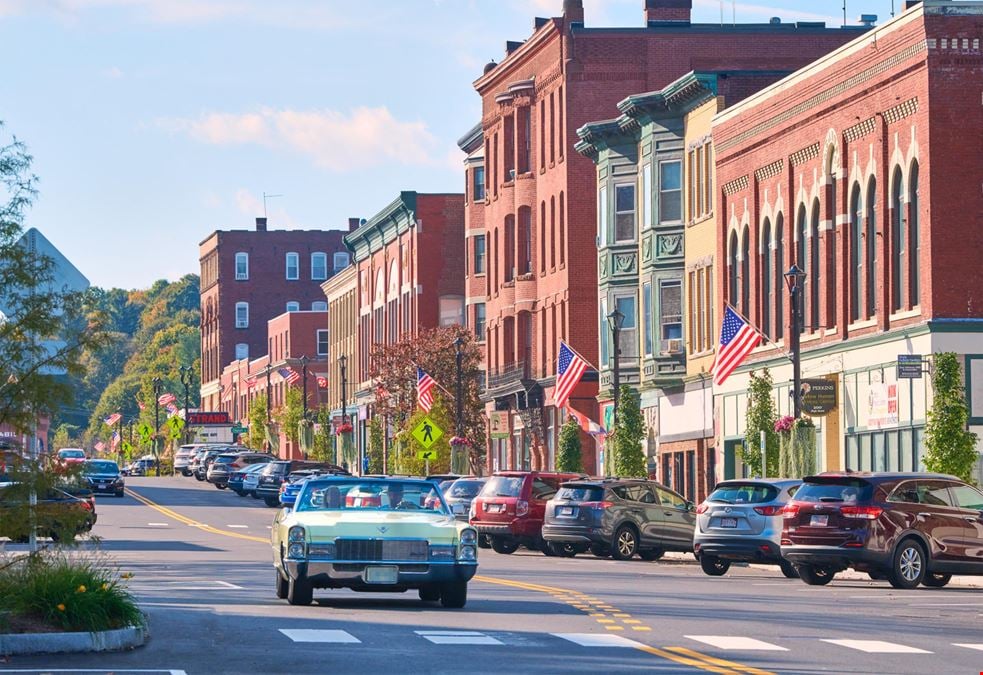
(154,122)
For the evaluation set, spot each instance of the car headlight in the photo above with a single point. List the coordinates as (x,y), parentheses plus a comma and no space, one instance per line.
(468,553)
(296,551)
(442,552)
(469,536)
(296,533)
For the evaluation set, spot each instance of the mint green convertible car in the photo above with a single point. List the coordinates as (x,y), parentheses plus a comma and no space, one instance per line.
(373,534)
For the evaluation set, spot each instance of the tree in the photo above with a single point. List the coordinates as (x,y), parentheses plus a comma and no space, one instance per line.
(257,422)
(629,458)
(570,458)
(289,415)
(949,446)
(761,416)
(375,445)
(66,436)
(323,450)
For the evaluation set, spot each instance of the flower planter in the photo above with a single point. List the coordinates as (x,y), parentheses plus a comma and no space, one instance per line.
(54,643)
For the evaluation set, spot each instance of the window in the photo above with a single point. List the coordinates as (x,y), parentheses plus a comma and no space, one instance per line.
(479,321)
(871,247)
(552,233)
(509,247)
(605,330)
(966,497)
(624,213)
(732,277)
(319,306)
(479,254)
(242,315)
(628,336)
(479,184)
(814,270)
(646,196)
(293,266)
(779,279)
(340,260)
(671,315)
(800,260)
(746,272)
(322,343)
(856,254)
(319,266)
(647,316)
(699,300)
(563,225)
(525,240)
(242,266)
(670,192)
(766,279)
(602,218)
(898,226)
(914,278)
(242,350)
(293,306)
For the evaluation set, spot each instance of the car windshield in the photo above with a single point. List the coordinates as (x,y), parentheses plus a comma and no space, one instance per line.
(255,468)
(743,493)
(71,454)
(276,467)
(464,489)
(503,486)
(839,490)
(579,493)
(370,495)
(101,466)
(225,459)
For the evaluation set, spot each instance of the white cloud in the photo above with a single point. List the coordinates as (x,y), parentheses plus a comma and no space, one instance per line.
(334,140)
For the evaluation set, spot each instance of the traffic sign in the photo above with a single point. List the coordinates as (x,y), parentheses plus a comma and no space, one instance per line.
(175,423)
(427,432)
(145,431)
(239,429)
(426,454)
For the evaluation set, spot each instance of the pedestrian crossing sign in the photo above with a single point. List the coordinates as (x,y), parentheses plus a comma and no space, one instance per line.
(427,432)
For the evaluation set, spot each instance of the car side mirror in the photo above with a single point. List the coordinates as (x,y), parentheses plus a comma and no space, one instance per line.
(690,506)
(286,510)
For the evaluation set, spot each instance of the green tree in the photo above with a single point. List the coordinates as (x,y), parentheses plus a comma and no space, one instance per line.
(570,458)
(257,422)
(949,446)
(66,436)
(323,450)
(407,461)
(761,416)
(289,415)
(629,432)
(375,444)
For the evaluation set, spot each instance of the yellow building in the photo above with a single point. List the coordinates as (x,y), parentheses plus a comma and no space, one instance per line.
(342,293)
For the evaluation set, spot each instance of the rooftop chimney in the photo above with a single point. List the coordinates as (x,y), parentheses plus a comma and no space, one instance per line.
(261,224)
(353,224)
(668,10)
(573,11)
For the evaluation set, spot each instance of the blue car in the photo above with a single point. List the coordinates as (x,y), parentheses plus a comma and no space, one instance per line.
(291,487)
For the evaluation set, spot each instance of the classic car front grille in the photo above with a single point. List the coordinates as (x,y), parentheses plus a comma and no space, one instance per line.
(381,549)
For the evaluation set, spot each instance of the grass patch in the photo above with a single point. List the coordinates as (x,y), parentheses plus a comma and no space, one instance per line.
(80,591)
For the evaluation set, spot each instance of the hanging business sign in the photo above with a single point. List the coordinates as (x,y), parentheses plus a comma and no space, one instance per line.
(909,366)
(818,396)
(498,423)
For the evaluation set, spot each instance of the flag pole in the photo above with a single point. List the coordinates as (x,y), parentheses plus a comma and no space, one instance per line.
(762,335)
(580,355)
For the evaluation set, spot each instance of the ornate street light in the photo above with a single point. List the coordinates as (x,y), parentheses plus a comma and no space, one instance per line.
(616,320)
(793,280)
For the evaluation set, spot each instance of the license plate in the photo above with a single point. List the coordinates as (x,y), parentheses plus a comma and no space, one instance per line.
(458,509)
(566,511)
(819,521)
(728,522)
(378,574)
(493,508)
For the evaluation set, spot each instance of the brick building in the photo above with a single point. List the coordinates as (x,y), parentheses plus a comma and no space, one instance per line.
(247,278)
(341,291)
(540,201)
(863,169)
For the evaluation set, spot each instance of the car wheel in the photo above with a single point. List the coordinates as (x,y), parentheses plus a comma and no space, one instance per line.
(271,501)
(240,493)
(282,585)
(120,493)
(815,575)
(484,541)
(430,593)
(220,486)
(788,569)
(652,554)
(908,569)
(254,495)
(936,580)
(300,592)
(625,543)
(600,550)
(502,545)
(714,566)
(186,474)
(200,478)
(454,594)
(561,550)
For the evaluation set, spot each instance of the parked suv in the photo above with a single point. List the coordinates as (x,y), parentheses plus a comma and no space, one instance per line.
(618,517)
(185,456)
(511,505)
(742,520)
(205,459)
(908,528)
(275,473)
(221,469)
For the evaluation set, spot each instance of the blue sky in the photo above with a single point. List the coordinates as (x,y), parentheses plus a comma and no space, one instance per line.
(154,122)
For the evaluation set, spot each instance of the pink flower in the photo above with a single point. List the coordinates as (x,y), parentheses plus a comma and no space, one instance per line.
(784,424)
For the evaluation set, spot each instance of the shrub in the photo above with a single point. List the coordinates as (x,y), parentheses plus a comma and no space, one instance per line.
(570,458)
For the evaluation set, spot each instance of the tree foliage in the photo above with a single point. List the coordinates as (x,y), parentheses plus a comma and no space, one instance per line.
(376,441)
(570,458)
(257,422)
(289,415)
(761,416)
(949,445)
(629,458)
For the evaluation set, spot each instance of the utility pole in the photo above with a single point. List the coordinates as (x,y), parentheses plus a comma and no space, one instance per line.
(459,432)
(186,379)
(157,390)
(303,369)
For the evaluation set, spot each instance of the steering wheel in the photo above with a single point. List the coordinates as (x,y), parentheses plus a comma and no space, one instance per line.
(407,506)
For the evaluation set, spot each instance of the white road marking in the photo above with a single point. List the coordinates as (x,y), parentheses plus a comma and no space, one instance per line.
(736,642)
(945,604)
(457,637)
(228,585)
(316,635)
(599,640)
(977,646)
(239,527)
(877,647)
(159,524)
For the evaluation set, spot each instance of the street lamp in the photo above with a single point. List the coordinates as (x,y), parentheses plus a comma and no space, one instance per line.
(793,280)
(269,414)
(303,368)
(342,364)
(459,345)
(186,380)
(616,320)
(158,387)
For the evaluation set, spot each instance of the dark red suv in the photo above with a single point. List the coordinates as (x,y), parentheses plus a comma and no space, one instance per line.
(908,528)
(511,506)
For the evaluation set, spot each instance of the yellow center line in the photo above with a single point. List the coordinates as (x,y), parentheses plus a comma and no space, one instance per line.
(188,521)
(694,663)
(723,663)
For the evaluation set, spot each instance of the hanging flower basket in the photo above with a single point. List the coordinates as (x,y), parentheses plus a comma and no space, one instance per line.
(460,442)
(343,428)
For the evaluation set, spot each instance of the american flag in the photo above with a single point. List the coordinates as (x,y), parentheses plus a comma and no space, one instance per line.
(141,405)
(737,339)
(227,393)
(113,419)
(587,424)
(115,439)
(251,383)
(569,369)
(99,446)
(288,375)
(322,382)
(166,398)
(424,389)
(171,409)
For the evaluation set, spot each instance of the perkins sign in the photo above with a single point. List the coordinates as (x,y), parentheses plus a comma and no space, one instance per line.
(818,396)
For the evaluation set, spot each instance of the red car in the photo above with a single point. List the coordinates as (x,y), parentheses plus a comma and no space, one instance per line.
(511,507)
(70,456)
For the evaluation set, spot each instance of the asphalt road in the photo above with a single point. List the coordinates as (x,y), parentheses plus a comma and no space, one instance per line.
(203,574)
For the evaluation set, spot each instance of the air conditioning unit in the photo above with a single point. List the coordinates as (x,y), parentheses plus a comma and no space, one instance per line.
(674,346)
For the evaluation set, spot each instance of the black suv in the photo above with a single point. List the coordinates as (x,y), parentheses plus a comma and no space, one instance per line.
(275,474)
(620,518)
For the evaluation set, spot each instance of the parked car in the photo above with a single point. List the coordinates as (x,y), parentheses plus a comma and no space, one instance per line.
(224,464)
(511,506)
(460,493)
(618,517)
(908,528)
(290,488)
(103,475)
(395,547)
(275,473)
(140,467)
(196,460)
(206,459)
(70,456)
(237,481)
(59,513)
(186,454)
(741,520)
(250,480)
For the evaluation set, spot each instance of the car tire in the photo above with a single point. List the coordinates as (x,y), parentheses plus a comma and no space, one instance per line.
(714,566)
(651,554)
(271,501)
(119,494)
(430,593)
(254,495)
(454,594)
(815,575)
(240,493)
(220,486)
(484,541)
(504,546)
(300,592)
(600,550)
(788,569)
(282,585)
(561,550)
(624,546)
(200,479)
(936,580)
(186,474)
(908,568)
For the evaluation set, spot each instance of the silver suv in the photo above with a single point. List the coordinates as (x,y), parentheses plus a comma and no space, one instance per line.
(741,520)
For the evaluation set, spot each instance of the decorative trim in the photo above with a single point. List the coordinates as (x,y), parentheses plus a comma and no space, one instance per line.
(770,170)
(902,110)
(735,186)
(859,130)
(804,155)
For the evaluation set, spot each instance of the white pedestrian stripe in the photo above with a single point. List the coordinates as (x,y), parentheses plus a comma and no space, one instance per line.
(315,635)
(978,646)
(736,642)
(159,524)
(877,647)
(240,527)
(599,640)
(457,637)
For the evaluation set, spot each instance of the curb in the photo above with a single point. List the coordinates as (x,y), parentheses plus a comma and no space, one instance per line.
(55,643)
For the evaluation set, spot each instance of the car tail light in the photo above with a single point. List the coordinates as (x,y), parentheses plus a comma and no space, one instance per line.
(768,510)
(791,510)
(702,508)
(521,507)
(597,505)
(862,512)
(85,504)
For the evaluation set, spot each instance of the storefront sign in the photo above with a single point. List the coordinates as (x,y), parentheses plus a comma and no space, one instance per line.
(909,366)
(882,405)
(498,423)
(818,396)
(208,418)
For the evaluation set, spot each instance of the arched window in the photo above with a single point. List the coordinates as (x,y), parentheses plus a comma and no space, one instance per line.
(495,262)
(293,306)
(815,278)
(732,296)
(914,272)
(563,225)
(766,273)
(832,244)
(779,279)
(552,232)
(801,251)
(898,226)
(870,249)
(525,240)
(542,236)
(856,259)
(746,272)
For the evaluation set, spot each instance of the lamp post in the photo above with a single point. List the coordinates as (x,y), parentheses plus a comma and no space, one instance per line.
(303,369)
(793,280)
(157,389)
(186,383)
(459,432)
(616,320)
(269,413)
(342,364)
